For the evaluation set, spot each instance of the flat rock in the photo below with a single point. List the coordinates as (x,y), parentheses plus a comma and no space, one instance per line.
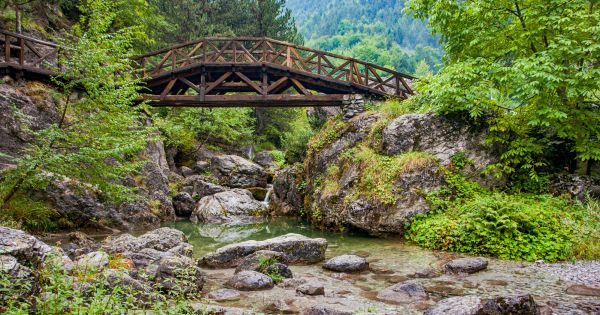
(250,281)
(466,265)
(347,263)
(162,239)
(311,288)
(280,307)
(223,295)
(474,305)
(400,293)
(586,290)
(323,310)
(232,207)
(298,249)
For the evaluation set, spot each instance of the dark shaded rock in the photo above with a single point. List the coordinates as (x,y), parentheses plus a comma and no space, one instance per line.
(187,172)
(237,172)
(466,265)
(201,167)
(280,269)
(184,204)
(265,160)
(579,187)
(319,115)
(580,289)
(202,186)
(79,244)
(259,193)
(120,278)
(347,263)
(443,138)
(297,249)
(323,310)
(223,295)
(287,198)
(426,273)
(311,288)
(250,281)
(400,293)
(233,207)
(252,261)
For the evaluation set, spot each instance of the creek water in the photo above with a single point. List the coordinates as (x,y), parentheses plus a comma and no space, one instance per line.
(392,260)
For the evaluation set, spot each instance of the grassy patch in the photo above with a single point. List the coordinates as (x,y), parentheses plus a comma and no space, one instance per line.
(25,212)
(328,134)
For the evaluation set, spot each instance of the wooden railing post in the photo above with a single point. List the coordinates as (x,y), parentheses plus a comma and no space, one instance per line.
(6,48)
(22,51)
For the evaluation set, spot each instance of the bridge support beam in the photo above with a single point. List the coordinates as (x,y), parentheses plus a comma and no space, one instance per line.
(244,100)
(352,105)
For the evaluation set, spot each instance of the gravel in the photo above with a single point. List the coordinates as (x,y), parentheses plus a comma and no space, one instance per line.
(582,272)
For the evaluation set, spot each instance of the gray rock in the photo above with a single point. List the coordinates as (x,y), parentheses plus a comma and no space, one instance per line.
(323,310)
(280,307)
(252,261)
(27,249)
(297,248)
(311,288)
(79,244)
(237,172)
(162,239)
(17,279)
(466,265)
(120,278)
(401,293)
(473,305)
(179,273)
(265,160)
(201,167)
(462,305)
(200,308)
(347,263)
(250,281)
(223,295)
(287,198)
(443,138)
(10,265)
(203,186)
(233,207)
(579,187)
(187,172)
(94,261)
(586,290)
(184,204)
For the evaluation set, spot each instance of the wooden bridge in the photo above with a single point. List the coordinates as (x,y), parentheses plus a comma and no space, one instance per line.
(229,72)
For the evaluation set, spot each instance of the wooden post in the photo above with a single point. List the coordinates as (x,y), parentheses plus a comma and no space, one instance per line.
(22,51)
(6,48)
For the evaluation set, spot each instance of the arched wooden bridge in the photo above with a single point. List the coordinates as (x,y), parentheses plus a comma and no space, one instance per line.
(230,72)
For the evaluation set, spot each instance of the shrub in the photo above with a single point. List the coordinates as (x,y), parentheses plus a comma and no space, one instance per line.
(278,157)
(469,219)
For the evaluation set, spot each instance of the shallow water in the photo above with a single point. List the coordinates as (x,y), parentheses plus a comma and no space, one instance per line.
(392,260)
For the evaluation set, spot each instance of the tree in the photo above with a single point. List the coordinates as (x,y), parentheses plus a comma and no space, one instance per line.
(530,67)
(98,136)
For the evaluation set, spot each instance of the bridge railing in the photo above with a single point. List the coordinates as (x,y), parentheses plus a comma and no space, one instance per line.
(251,50)
(27,52)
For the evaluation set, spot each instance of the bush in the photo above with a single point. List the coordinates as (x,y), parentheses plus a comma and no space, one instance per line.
(520,226)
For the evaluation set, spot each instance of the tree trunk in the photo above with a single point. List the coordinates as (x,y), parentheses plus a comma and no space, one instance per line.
(18,27)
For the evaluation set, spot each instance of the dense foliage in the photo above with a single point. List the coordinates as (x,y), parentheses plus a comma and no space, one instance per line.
(470,219)
(98,137)
(528,67)
(376,31)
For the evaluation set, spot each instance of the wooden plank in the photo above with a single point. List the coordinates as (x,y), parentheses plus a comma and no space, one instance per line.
(249,82)
(301,89)
(219,81)
(191,85)
(276,84)
(162,62)
(280,100)
(168,88)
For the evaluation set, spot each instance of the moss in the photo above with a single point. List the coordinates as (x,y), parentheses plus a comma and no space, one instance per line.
(327,135)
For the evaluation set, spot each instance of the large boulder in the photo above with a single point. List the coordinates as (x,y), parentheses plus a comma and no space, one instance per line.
(202,186)
(27,249)
(237,172)
(265,160)
(298,249)
(184,204)
(234,207)
(179,273)
(444,138)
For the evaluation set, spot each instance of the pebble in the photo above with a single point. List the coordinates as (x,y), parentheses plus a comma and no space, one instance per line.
(582,272)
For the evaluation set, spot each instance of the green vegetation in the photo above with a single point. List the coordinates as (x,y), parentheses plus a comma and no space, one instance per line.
(264,265)
(58,294)
(529,69)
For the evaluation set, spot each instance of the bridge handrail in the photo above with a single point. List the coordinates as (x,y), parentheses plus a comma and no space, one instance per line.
(29,38)
(353,70)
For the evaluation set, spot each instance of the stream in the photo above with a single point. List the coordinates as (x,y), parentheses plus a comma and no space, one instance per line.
(392,260)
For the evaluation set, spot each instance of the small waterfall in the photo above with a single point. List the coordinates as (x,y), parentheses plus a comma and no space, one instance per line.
(250,152)
(268,195)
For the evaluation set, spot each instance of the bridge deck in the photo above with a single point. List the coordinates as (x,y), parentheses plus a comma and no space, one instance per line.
(229,72)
